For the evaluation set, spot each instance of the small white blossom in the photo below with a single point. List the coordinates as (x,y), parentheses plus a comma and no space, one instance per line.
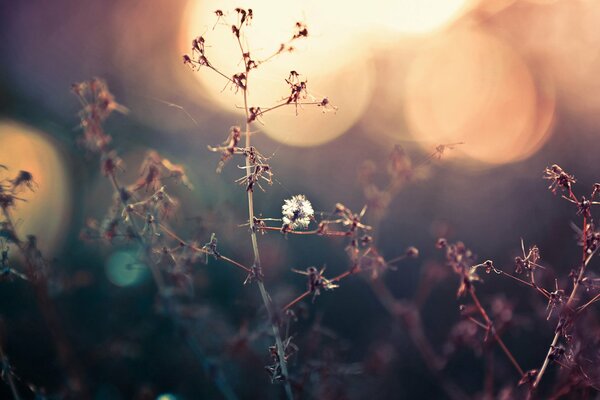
(297,212)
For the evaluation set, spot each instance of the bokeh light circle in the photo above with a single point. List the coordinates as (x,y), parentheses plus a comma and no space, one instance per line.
(415,16)
(564,36)
(468,86)
(124,269)
(335,59)
(46,212)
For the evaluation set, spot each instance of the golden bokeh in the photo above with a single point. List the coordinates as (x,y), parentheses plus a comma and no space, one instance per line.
(46,212)
(468,86)
(334,59)
(415,17)
(565,37)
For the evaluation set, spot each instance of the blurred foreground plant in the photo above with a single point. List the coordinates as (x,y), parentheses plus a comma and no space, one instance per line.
(35,269)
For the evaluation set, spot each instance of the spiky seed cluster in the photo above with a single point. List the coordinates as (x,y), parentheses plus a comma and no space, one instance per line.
(297,212)
(559,179)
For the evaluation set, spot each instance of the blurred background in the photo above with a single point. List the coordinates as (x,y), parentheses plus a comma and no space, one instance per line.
(515,81)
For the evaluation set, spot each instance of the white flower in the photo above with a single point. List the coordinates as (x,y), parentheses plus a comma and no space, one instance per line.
(297,212)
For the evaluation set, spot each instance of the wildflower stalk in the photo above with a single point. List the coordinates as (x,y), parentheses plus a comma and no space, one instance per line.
(585,261)
(268,303)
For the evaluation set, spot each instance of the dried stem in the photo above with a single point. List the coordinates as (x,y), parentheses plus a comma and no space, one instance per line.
(531,284)
(285,103)
(312,232)
(589,303)
(490,327)
(297,300)
(268,303)
(585,261)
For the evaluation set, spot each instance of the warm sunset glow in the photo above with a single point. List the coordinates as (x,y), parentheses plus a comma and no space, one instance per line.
(332,59)
(471,87)
(46,212)
(415,16)
(308,199)
(565,37)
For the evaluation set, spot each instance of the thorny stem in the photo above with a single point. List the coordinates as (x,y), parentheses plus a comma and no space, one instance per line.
(584,263)
(65,352)
(217,378)
(490,327)
(7,374)
(257,265)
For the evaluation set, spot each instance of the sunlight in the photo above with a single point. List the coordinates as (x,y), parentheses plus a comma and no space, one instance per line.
(46,212)
(471,87)
(332,59)
(415,16)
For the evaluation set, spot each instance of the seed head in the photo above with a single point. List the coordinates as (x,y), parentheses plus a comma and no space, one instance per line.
(297,212)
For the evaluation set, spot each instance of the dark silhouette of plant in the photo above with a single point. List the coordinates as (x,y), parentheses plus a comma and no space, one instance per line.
(36,270)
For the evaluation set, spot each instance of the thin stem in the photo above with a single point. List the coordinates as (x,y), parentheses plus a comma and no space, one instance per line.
(586,261)
(257,265)
(589,303)
(222,74)
(490,327)
(478,323)
(343,275)
(312,232)
(283,104)
(531,284)
(296,300)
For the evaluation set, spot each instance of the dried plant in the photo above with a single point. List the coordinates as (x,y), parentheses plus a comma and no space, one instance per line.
(310,363)
(141,210)
(566,306)
(34,268)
